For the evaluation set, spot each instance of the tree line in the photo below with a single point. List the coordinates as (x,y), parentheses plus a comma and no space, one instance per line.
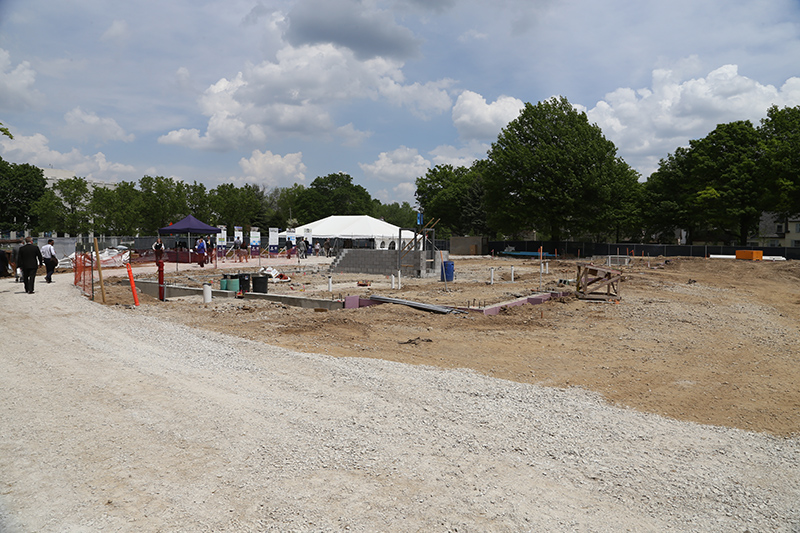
(73,206)
(551,175)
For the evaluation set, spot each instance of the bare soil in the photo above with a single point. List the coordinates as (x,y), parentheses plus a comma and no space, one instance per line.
(713,341)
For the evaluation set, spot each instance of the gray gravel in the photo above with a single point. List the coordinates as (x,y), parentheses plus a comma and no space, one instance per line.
(111,420)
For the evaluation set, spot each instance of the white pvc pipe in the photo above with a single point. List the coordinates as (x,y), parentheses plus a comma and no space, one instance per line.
(330,284)
(492,278)
(393,281)
(398,279)
(512,274)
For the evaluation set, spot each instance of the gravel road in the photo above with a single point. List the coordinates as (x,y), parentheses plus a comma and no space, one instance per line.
(114,421)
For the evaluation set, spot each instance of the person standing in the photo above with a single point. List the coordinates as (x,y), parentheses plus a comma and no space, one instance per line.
(237,248)
(50,259)
(158,248)
(200,250)
(30,259)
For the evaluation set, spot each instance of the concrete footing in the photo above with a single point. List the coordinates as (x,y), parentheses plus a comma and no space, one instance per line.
(173,291)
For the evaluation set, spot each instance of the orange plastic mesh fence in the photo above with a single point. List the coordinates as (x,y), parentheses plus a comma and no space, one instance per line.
(84,273)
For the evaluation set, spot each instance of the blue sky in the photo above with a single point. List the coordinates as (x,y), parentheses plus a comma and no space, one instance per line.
(280,92)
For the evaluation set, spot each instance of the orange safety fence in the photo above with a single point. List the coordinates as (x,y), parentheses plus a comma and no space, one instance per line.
(84,273)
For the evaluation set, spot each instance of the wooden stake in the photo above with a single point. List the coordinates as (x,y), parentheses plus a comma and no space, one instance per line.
(99,270)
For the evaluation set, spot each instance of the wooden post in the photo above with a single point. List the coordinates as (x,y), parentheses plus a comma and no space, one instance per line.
(99,270)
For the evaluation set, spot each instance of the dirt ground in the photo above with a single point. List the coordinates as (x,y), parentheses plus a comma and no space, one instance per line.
(714,341)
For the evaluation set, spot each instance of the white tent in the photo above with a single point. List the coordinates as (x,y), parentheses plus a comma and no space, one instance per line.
(354,227)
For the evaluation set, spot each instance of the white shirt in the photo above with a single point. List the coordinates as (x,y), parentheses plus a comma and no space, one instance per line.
(48,251)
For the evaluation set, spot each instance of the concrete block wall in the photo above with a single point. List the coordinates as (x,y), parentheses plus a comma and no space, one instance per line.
(384,262)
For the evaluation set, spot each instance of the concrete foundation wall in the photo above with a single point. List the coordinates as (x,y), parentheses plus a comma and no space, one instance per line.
(173,291)
(384,262)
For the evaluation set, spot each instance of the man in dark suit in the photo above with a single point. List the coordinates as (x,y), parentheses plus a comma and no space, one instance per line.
(29,258)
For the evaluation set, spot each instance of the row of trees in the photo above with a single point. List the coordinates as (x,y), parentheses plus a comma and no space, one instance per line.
(550,175)
(719,186)
(129,208)
(553,175)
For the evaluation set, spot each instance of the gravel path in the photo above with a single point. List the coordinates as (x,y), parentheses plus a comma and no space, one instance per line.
(114,421)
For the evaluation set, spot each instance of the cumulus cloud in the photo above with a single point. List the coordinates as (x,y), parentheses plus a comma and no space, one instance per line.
(649,123)
(292,95)
(85,125)
(459,157)
(273,170)
(401,167)
(423,100)
(367,32)
(476,120)
(401,164)
(351,136)
(35,149)
(472,35)
(118,32)
(16,84)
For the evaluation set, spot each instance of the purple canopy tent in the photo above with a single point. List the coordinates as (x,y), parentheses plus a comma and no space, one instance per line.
(188,225)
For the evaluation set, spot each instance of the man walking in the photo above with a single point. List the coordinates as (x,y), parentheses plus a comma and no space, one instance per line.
(50,260)
(29,258)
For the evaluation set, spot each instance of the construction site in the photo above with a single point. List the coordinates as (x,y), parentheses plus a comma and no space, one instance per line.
(712,341)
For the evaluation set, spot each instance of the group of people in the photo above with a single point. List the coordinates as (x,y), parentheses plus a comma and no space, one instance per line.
(201,251)
(28,258)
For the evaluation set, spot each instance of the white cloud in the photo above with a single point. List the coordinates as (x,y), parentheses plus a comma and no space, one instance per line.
(459,157)
(273,170)
(85,125)
(475,119)
(423,100)
(647,124)
(292,95)
(401,164)
(351,136)
(402,167)
(16,85)
(35,150)
(118,32)
(472,35)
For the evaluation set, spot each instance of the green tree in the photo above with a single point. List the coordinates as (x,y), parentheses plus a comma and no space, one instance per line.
(726,165)
(5,131)
(473,204)
(20,186)
(551,170)
(334,194)
(402,215)
(48,211)
(668,199)
(441,195)
(288,203)
(236,206)
(163,201)
(116,209)
(198,203)
(74,193)
(780,132)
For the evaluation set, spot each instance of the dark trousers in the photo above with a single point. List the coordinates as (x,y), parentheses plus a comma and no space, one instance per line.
(28,278)
(50,265)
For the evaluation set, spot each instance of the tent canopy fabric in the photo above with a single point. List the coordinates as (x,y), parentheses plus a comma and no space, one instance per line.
(188,225)
(351,227)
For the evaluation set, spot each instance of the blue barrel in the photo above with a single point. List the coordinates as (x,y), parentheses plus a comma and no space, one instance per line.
(448,270)
(223,284)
